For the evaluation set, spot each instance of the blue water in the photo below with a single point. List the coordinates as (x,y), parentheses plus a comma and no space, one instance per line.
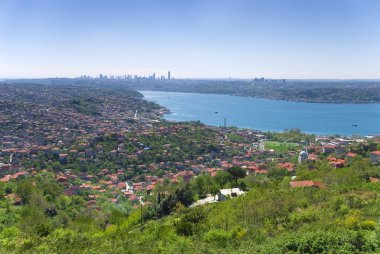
(270,115)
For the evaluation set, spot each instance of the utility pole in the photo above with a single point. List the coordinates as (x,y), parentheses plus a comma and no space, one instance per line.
(141,214)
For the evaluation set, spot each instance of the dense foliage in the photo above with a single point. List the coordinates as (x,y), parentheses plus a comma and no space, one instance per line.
(270,218)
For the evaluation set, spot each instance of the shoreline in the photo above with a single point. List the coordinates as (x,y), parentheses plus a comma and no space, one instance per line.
(267,98)
(169,112)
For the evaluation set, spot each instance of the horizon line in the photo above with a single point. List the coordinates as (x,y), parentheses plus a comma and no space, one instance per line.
(197,78)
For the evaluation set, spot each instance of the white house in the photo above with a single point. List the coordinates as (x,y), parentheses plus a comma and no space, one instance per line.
(229,193)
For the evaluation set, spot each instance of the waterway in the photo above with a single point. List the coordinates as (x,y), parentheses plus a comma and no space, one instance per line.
(270,115)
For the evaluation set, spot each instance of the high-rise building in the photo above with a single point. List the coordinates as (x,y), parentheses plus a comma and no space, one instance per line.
(169,75)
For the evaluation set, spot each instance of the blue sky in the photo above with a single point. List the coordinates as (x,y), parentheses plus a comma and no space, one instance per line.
(192,38)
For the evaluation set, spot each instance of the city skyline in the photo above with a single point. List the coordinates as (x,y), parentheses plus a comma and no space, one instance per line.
(128,76)
(289,39)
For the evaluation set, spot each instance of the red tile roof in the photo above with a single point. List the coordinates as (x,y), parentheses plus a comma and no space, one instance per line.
(288,166)
(295,184)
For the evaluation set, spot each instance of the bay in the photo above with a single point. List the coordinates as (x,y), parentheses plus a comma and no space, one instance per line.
(270,115)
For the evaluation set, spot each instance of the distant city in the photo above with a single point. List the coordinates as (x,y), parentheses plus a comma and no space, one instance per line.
(163,77)
(129,76)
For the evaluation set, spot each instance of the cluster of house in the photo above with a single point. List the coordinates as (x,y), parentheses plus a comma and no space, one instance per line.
(32,130)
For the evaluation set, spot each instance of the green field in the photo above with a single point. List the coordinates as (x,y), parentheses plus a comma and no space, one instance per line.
(280,147)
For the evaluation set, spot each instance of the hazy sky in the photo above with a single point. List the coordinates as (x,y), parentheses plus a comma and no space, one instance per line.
(192,38)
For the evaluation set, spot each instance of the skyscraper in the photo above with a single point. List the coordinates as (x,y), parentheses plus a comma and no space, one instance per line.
(168,75)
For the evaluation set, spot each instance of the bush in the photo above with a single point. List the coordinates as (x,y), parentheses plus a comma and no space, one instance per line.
(218,237)
(368,225)
(184,228)
(327,242)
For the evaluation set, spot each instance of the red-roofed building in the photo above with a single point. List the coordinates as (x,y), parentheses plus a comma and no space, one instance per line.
(351,155)
(113,200)
(288,166)
(261,171)
(312,157)
(375,156)
(329,148)
(62,179)
(133,198)
(150,188)
(91,202)
(301,184)
(138,186)
(6,178)
(336,163)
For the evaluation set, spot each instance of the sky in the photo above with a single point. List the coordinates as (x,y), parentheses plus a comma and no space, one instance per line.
(337,39)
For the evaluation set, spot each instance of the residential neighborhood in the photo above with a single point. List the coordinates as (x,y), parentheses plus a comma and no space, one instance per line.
(118,147)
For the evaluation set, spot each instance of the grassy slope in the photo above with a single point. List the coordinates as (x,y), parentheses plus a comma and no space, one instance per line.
(280,147)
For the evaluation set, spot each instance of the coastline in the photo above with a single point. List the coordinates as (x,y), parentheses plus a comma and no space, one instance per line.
(167,115)
(267,98)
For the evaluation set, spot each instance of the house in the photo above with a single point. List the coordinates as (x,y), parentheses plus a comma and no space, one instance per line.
(301,184)
(138,186)
(339,163)
(133,199)
(62,179)
(312,157)
(150,188)
(73,190)
(221,196)
(287,165)
(6,178)
(229,193)
(91,202)
(375,156)
(351,155)
(63,158)
(336,163)
(329,148)
(208,200)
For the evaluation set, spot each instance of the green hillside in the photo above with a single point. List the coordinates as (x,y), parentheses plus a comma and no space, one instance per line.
(271,218)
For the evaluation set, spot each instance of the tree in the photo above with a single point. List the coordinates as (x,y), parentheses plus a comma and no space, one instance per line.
(222,178)
(56,166)
(185,195)
(51,211)
(116,217)
(200,186)
(236,173)
(277,173)
(214,189)
(25,189)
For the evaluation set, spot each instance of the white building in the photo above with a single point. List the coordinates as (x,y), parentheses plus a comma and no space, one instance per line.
(302,156)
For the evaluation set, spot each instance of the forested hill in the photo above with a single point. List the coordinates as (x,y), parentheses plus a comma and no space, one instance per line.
(321,91)
(300,91)
(112,87)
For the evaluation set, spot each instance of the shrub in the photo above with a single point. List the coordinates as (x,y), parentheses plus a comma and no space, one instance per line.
(218,237)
